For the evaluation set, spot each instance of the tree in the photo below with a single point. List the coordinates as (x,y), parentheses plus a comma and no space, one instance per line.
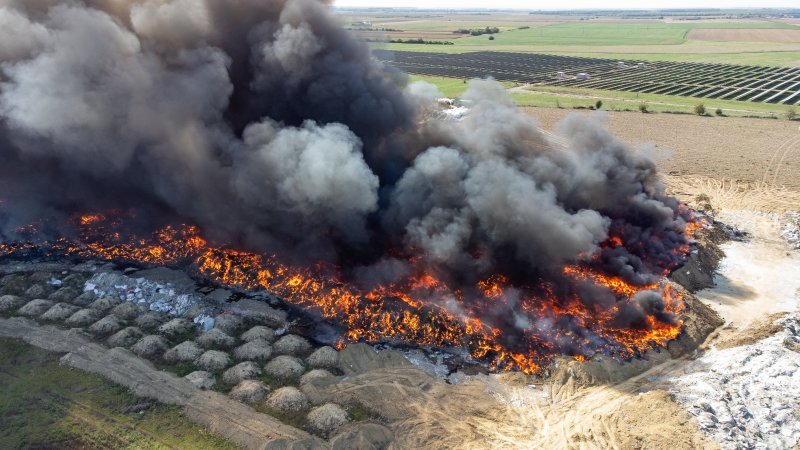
(599,104)
(700,109)
(643,107)
(491,38)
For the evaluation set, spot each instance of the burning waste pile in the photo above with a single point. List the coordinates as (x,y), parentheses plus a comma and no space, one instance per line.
(259,145)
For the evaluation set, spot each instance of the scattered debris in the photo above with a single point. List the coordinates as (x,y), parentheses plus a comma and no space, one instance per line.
(747,397)
(791,230)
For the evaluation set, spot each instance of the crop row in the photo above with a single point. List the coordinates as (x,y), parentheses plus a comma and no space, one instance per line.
(717,81)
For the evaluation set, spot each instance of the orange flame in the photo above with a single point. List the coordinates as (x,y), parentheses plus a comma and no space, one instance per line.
(419,309)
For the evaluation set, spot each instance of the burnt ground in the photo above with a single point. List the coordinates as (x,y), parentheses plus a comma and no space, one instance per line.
(386,397)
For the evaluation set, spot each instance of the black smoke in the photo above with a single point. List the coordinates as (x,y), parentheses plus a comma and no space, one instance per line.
(271,127)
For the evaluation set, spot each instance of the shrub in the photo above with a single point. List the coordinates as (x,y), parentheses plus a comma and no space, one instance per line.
(791,114)
(491,38)
(700,109)
(704,204)
(719,112)
(599,104)
(643,107)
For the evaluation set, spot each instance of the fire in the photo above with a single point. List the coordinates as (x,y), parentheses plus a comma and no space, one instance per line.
(419,309)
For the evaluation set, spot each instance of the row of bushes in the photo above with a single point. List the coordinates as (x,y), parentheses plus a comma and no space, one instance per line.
(419,41)
(478,31)
(700,110)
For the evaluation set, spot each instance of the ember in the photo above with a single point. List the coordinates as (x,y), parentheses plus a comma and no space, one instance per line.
(410,311)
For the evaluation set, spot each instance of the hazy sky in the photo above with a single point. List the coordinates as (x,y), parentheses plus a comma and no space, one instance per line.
(572,4)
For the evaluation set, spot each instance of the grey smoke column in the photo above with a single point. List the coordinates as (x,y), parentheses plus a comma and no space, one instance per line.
(270,126)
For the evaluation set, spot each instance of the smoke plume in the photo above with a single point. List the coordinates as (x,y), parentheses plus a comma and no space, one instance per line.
(271,127)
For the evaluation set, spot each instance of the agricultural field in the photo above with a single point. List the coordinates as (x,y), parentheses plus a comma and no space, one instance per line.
(724,82)
(728,41)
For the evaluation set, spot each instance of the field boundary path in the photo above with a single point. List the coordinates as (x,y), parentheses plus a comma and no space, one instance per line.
(220,414)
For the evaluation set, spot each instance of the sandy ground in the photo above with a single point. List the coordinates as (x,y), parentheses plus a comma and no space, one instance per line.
(744,35)
(758,276)
(737,150)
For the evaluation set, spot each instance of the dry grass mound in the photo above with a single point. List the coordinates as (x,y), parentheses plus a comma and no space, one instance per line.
(65,294)
(175,328)
(151,346)
(127,311)
(152,320)
(83,318)
(249,392)
(39,291)
(187,351)
(106,326)
(36,308)
(213,361)
(125,338)
(255,350)
(230,325)
(240,372)
(104,303)
(216,338)
(326,419)
(316,374)
(292,345)
(10,303)
(84,300)
(323,358)
(259,332)
(285,368)
(288,400)
(60,312)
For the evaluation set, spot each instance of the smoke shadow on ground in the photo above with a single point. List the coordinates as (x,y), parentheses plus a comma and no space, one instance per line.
(730,292)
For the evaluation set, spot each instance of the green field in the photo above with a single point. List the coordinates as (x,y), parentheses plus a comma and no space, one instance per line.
(652,40)
(563,97)
(46,405)
(589,34)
